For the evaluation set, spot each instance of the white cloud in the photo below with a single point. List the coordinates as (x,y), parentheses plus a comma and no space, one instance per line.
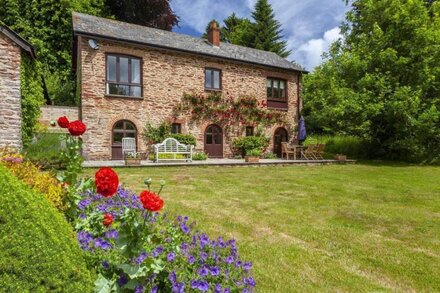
(305,23)
(311,51)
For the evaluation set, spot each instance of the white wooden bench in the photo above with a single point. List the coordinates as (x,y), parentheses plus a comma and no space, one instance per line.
(174,147)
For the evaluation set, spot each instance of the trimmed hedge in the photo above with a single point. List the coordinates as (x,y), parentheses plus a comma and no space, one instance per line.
(38,249)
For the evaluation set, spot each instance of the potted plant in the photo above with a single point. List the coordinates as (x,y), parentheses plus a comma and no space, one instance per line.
(132,159)
(253,156)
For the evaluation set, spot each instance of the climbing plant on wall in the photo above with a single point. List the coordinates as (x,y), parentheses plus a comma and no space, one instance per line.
(32,97)
(233,114)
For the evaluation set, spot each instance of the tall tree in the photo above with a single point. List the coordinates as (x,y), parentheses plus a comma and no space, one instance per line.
(152,13)
(267,32)
(237,30)
(382,82)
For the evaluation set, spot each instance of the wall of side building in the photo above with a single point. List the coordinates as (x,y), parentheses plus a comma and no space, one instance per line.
(10,95)
(166,75)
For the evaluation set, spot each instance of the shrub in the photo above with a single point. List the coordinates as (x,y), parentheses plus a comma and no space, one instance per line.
(39,181)
(157,134)
(253,153)
(187,139)
(246,143)
(45,151)
(38,252)
(151,157)
(352,146)
(200,156)
(137,249)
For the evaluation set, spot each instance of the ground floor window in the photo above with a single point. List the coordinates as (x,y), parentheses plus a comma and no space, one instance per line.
(176,128)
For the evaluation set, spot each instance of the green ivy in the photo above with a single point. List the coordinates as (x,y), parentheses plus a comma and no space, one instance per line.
(32,97)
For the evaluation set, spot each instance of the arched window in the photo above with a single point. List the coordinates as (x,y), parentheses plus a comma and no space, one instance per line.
(121,129)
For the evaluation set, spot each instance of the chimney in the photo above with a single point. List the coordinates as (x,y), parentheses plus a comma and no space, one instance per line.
(214,34)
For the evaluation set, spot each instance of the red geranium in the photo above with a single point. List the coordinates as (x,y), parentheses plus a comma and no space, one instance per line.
(108,220)
(151,201)
(106,182)
(63,122)
(77,128)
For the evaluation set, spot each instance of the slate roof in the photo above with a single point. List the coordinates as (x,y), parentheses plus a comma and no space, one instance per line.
(25,45)
(93,26)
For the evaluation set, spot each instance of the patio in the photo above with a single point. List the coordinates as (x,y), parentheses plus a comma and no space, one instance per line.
(215,162)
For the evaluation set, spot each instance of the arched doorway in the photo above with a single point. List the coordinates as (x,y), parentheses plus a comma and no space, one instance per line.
(121,129)
(214,141)
(279,137)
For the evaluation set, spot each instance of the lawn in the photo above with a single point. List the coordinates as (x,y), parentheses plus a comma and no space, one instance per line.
(364,227)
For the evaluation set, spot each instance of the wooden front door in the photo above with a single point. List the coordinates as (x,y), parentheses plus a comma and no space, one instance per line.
(279,137)
(121,129)
(214,141)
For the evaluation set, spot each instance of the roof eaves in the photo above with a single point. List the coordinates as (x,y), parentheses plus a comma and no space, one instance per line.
(25,45)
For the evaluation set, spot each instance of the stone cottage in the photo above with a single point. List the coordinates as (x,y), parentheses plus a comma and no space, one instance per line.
(11,48)
(129,75)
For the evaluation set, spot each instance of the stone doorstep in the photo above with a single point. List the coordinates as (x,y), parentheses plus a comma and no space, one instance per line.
(215,162)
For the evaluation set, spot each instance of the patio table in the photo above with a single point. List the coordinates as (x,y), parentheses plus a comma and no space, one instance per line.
(297,149)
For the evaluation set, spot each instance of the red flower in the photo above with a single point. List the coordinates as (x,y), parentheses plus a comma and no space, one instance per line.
(63,122)
(77,128)
(106,182)
(151,201)
(108,220)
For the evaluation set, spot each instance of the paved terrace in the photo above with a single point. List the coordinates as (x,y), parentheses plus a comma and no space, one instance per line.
(215,162)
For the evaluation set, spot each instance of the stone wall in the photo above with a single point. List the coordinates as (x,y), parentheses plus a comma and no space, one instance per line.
(166,76)
(10,96)
(52,113)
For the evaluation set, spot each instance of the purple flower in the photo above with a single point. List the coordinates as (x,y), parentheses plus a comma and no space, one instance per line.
(112,234)
(218,288)
(184,228)
(249,281)
(171,256)
(101,243)
(215,271)
(172,277)
(122,280)
(203,271)
(84,239)
(200,285)
(139,289)
(238,264)
(229,260)
(178,288)
(191,259)
(154,289)
(105,265)
(204,256)
(204,240)
(157,251)
(140,259)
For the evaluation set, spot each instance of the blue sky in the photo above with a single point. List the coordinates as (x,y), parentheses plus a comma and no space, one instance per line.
(310,26)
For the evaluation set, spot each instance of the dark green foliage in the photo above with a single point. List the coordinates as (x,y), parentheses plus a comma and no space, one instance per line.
(38,249)
(382,82)
(47,25)
(187,139)
(156,134)
(267,32)
(31,97)
(352,146)
(244,144)
(237,30)
(45,151)
(152,13)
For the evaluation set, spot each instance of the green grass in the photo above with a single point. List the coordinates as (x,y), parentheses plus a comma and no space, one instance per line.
(38,249)
(345,228)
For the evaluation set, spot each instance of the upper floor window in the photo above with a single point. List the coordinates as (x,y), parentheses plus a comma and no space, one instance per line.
(276,93)
(213,79)
(176,128)
(124,76)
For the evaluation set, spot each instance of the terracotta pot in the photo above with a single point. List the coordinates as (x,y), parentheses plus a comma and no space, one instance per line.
(250,159)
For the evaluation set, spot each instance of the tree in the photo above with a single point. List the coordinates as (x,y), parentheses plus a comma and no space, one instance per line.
(267,32)
(237,30)
(382,82)
(152,13)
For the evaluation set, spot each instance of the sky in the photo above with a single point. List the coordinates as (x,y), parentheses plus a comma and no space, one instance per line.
(309,26)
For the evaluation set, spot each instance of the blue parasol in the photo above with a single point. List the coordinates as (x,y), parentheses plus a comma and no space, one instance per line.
(302,134)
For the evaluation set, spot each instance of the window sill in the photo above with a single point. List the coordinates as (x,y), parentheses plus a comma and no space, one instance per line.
(278,109)
(124,97)
(213,90)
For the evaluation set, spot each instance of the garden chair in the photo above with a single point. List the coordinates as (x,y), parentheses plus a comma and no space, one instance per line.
(309,152)
(128,145)
(319,152)
(285,150)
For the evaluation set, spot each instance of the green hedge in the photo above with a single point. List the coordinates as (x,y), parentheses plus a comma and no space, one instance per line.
(38,249)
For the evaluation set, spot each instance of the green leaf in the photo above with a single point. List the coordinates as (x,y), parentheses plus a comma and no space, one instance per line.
(102,285)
